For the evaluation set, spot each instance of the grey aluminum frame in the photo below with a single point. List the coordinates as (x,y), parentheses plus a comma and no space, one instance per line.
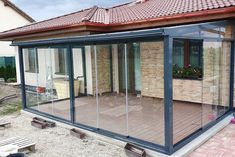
(124,37)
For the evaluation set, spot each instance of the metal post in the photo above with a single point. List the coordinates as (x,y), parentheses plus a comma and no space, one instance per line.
(84,68)
(21,65)
(111,67)
(71,82)
(231,94)
(126,81)
(97,89)
(168,111)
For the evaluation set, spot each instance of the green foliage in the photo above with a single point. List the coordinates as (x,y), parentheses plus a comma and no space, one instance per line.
(187,72)
(11,80)
(8,72)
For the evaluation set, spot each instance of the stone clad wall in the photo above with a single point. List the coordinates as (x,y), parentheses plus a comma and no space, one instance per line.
(103,63)
(187,90)
(152,69)
(216,73)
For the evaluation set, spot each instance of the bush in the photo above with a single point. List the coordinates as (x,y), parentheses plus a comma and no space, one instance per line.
(11,80)
(8,73)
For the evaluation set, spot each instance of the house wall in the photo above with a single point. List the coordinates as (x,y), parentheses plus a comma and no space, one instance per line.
(10,19)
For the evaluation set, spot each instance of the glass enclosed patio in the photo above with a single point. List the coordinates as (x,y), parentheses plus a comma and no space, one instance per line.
(157,88)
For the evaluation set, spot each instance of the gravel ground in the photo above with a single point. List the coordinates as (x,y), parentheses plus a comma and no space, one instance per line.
(57,142)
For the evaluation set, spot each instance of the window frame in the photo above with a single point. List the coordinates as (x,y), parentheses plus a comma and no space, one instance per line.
(186,56)
(61,55)
(29,68)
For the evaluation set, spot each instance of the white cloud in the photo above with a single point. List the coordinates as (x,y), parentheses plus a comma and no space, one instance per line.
(44,9)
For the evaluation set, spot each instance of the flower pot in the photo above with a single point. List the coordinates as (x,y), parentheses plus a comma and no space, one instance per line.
(40,90)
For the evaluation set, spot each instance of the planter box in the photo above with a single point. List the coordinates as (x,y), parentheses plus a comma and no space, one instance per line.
(48,123)
(62,88)
(134,151)
(77,133)
(37,124)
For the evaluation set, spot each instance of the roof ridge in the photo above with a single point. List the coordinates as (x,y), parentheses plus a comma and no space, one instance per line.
(90,14)
(119,5)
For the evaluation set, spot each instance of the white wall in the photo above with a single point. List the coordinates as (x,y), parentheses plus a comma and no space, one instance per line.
(10,19)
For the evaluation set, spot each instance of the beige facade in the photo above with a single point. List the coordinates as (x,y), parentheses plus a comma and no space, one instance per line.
(9,19)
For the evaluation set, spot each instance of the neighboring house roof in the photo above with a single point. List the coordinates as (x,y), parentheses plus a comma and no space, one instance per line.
(137,14)
(18,10)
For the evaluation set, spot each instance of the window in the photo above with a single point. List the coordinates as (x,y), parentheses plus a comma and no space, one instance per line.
(187,58)
(31,61)
(61,62)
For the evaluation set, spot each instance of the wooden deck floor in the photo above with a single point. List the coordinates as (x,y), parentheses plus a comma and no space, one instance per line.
(145,116)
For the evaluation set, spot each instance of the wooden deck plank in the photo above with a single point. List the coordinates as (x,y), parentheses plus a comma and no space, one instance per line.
(146,124)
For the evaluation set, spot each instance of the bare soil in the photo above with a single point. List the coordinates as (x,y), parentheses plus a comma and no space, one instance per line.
(11,105)
(57,142)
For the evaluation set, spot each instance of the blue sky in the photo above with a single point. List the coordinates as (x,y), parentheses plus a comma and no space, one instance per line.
(44,9)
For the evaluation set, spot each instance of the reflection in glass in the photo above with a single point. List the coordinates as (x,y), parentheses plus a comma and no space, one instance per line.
(46,79)
(197,102)
(85,70)
(216,80)
(146,91)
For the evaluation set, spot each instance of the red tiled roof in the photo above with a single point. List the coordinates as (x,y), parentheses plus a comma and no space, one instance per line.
(126,13)
(161,8)
(70,19)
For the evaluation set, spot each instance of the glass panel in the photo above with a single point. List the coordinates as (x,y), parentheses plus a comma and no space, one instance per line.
(145,62)
(47,90)
(2,61)
(57,82)
(226,31)
(198,102)
(85,85)
(195,53)
(112,87)
(187,59)
(8,69)
(210,30)
(141,62)
(216,80)
(31,77)
(178,53)
(222,29)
